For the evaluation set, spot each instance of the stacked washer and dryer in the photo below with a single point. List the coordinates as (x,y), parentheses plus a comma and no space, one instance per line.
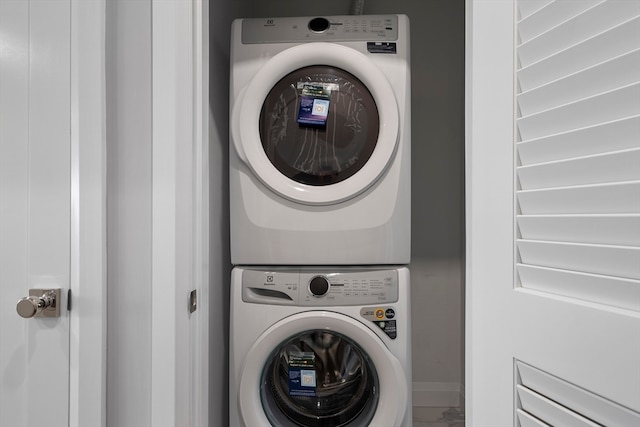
(320,222)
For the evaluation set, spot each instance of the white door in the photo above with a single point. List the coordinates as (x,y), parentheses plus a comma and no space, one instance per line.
(45,109)
(553,213)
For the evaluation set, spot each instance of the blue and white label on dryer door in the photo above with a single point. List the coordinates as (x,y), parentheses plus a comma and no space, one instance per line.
(314,105)
(302,375)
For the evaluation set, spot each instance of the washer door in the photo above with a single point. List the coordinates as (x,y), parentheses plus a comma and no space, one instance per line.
(321,369)
(325,158)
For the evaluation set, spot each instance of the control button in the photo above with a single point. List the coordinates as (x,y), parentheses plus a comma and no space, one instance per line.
(319,286)
(390,313)
(318,25)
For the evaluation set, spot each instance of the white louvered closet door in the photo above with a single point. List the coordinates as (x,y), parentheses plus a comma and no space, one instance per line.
(553,208)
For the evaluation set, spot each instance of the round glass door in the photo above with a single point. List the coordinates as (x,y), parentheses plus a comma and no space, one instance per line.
(319,378)
(319,125)
(316,124)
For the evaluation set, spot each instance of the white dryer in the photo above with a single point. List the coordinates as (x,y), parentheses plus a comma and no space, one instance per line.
(318,347)
(320,141)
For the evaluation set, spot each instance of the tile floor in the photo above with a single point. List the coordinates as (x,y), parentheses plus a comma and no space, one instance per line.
(437,417)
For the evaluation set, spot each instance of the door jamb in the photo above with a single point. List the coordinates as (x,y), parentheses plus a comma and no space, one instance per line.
(180,213)
(87,360)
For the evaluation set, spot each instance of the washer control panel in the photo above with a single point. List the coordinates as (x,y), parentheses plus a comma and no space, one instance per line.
(320,28)
(315,288)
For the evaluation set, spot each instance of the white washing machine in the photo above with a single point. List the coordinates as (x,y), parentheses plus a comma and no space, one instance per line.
(318,347)
(320,141)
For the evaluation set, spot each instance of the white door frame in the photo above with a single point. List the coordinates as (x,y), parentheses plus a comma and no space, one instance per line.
(489,170)
(88,216)
(180,206)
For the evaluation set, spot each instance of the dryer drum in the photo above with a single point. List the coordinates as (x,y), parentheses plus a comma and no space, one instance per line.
(319,155)
(346,388)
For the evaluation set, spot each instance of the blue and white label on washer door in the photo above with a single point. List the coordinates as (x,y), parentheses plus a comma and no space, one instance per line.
(302,375)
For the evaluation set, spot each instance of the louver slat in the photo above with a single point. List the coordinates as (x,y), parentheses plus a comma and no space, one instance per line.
(621,230)
(602,168)
(619,135)
(612,291)
(617,261)
(528,420)
(618,198)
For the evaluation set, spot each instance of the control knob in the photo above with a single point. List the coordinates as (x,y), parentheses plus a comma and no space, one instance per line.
(319,286)
(319,25)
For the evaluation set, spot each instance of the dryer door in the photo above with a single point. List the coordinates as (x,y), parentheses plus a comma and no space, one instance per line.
(321,369)
(318,124)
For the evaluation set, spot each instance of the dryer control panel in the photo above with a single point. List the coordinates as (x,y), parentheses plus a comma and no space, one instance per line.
(374,28)
(314,288)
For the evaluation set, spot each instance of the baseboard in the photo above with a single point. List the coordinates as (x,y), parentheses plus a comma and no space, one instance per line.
(431,394)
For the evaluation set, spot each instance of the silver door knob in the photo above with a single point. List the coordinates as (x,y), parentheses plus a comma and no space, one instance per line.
(40,303)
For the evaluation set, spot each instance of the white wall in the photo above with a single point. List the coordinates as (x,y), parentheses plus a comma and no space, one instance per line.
(128,89)
(220,15)
(437,63)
